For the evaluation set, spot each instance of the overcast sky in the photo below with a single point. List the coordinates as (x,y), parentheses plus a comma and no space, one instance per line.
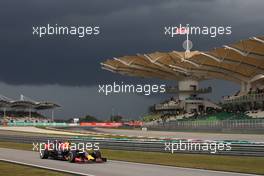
(67,69)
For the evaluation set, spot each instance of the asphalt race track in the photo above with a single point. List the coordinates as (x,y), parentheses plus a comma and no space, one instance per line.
(184,135)
(111,168)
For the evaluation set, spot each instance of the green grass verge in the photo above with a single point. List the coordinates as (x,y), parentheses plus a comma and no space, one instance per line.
(242,164)
(212,162)
(13,145)
(10,169)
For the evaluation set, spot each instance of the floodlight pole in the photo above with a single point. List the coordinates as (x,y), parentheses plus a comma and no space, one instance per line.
(4,112)
(187,39)
(52,115)
(29,112)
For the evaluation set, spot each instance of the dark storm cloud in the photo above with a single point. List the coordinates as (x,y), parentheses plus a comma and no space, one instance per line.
(68,68)
(127,28)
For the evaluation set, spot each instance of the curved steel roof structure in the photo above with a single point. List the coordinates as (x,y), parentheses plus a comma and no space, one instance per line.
(23,104)
(239,62)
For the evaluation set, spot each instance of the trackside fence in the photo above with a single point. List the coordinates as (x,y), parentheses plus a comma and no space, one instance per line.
(217,125)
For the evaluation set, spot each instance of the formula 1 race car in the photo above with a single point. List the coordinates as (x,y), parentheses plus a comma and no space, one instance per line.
(63,152)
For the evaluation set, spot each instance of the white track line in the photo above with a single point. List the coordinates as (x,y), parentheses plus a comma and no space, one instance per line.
(44,167)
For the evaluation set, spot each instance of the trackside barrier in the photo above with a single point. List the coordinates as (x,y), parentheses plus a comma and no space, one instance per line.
(53,124)
(73,124)
(95,124)
(111,124)
(217,125)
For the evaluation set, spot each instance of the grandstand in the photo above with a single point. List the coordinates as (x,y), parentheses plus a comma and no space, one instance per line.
(241,62)
(24,110)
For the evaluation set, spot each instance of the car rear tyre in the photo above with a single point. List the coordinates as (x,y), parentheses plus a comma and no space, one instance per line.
(44,154)
(97,154)
(72,156)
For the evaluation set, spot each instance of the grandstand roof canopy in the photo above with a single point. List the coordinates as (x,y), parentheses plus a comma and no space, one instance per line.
(240,62)
(24,104)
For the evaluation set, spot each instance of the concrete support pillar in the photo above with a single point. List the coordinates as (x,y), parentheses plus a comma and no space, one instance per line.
(187,85)
(245,86)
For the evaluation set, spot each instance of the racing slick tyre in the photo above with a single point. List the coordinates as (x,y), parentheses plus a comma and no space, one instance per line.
(98,157)
(97,154)
(72,156)
(44,154)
